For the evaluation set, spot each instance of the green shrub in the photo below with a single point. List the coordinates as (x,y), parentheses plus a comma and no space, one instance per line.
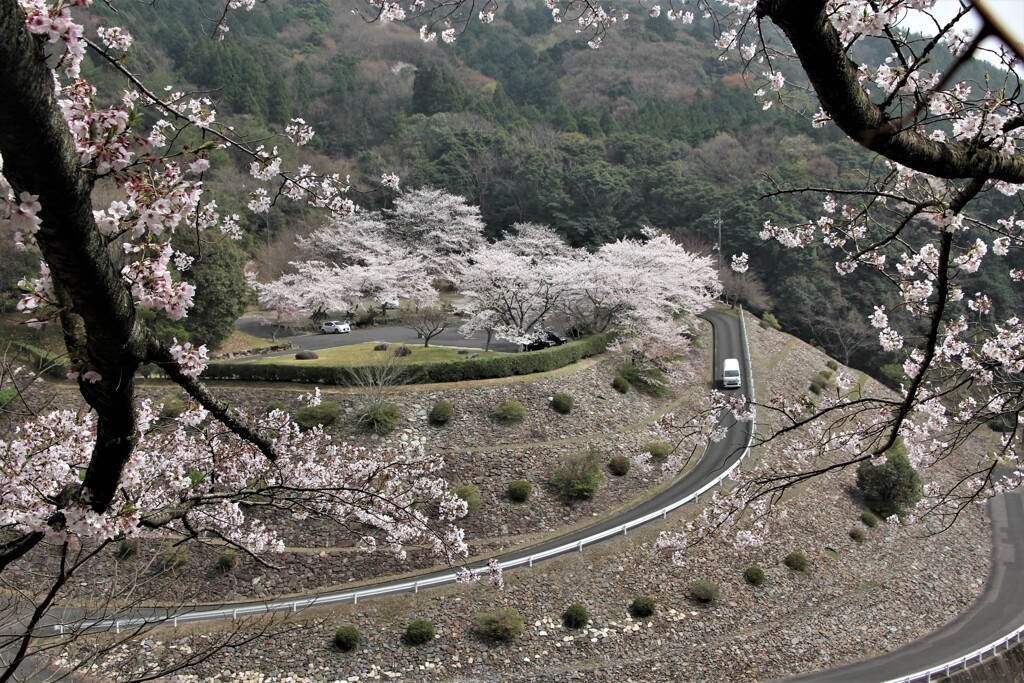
(892,487)
(324,414)
(172,406)
(659,450)
(275,405)
(704,592)
(870,519)
(576,616)
(381,418)
(650,381)
(383,346)
(769,320)
(442,413)
(500,623)
(471,494)
(306,355)
(172,559)
(6,396)
(403,351)
(824,376)
(754,575)
(127,548)
(419,631)
(519,490)
(227,562)
(578,476)
(815,387)
(562,403)
(620,384)
(642,606)
(832,365)
(857,535)
(618,465)
(796,561)
(510,411)
(347,638)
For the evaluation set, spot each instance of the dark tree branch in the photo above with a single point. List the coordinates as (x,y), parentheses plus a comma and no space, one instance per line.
(833,76)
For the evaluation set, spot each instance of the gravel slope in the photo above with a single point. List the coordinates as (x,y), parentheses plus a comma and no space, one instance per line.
(856,599)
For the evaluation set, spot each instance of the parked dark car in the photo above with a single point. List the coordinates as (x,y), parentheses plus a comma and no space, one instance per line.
(546,340)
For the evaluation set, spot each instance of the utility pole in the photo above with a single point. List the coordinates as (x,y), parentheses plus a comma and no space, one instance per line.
(718,244)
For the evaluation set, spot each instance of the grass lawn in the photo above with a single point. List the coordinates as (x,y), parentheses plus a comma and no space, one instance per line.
(240,341)
(363,354)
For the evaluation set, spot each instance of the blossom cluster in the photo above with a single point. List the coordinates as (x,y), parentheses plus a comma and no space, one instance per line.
(193,465)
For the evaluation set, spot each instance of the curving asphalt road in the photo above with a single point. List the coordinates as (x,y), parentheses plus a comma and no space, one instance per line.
(718,457)
(998,611)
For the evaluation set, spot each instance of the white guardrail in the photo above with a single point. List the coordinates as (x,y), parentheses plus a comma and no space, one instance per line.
(354,596)
(968,660)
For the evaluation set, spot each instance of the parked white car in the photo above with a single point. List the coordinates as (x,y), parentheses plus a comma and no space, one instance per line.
(335,327)
(390,303)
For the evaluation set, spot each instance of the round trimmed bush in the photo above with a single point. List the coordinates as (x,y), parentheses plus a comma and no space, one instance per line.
(576,616)
(471,494)
(519,490)
(796,561)
(510,411)
(127,548)
(659,449)
(500,623)
(618,465)
(562,403)
(442,413)
(419,631)
(857,535)
(891,487)
(347,638)
(578,476)
(306,355)
(620,384)
(383,346)
(642,606)
(324,414)
(870,519)
(227,562)
(172,406)
(382,419)
(704,592)
(172,559)
(402,351)
(275,405)
(754,575)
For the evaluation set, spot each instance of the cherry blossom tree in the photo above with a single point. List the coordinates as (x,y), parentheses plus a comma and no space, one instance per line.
(360,256)
(513,286)
(650,289)
(437,227)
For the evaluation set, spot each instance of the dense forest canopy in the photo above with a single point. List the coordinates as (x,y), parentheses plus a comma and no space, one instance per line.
(525,121)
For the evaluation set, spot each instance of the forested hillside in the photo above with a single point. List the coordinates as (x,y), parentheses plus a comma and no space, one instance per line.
(527,122)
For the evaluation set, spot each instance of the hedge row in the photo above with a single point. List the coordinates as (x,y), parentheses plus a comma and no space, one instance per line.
(424,373)
(45,362)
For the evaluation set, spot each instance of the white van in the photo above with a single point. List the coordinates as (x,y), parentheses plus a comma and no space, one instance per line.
(731,374)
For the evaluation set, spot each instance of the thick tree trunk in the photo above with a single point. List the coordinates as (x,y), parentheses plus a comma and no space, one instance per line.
(96,311)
